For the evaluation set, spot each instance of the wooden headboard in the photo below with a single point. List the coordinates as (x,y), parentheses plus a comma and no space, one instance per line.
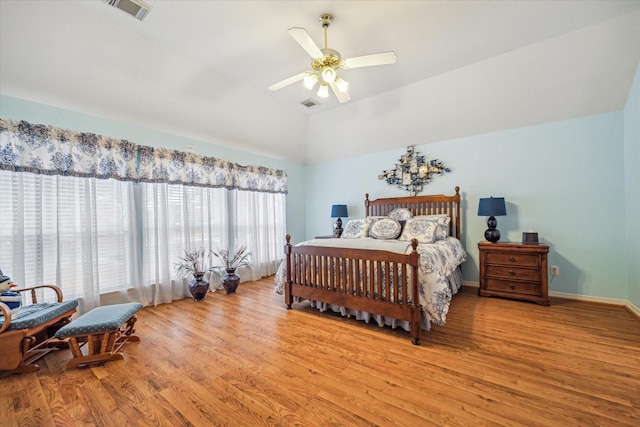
(420,205)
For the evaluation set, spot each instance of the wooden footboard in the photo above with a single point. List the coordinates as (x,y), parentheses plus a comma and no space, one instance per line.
(368,280)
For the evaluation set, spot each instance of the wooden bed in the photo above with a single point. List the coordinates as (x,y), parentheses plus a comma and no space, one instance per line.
(361,279)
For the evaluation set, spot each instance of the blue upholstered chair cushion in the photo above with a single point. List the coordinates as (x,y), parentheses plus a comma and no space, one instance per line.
(34,315)
(100,319)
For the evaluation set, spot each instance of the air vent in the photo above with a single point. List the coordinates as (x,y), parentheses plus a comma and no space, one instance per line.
(136,8)
(310,103)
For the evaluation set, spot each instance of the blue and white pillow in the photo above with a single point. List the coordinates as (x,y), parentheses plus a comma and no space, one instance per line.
(385,228)
(356,229)
(400,214)
(12,300)
(423,231)
(442,224)
(373,219)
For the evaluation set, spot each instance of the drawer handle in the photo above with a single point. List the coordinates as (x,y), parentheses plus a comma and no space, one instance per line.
(512,286)
(512,259)
(512,273)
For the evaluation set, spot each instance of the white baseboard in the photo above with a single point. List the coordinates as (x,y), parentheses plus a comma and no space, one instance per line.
(633,309)
(611,301)
(577,297)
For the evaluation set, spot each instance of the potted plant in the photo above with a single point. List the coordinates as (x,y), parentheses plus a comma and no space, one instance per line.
(230,263)
(194,263)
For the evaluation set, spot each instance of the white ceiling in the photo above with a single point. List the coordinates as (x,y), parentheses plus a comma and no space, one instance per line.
(200,69)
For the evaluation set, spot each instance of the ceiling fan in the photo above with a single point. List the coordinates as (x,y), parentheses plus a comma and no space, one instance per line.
(326,62)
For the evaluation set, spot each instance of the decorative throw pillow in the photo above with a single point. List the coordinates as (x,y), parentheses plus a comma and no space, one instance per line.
(442,224)
(385,228)
(424,231)
(400,214)
(356,229)
(373,220)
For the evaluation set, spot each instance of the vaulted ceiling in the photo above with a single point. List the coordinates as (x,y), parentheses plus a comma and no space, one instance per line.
(201,69)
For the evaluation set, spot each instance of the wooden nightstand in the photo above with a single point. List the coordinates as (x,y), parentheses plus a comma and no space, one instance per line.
(324,237)
(514,270)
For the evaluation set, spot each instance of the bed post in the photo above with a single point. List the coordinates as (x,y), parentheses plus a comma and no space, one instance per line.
(415,312)
(457,196)
(288,298)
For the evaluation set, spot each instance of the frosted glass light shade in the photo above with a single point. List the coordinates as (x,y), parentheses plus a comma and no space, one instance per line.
(310,81)
(328,74)
(323,91)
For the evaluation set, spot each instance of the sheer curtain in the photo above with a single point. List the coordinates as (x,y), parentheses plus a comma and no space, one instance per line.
(176,219)
(260,224)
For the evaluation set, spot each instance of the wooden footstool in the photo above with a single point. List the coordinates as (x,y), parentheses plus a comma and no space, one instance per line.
(104,330)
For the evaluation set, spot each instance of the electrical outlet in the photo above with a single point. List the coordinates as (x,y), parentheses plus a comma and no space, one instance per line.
(555,270)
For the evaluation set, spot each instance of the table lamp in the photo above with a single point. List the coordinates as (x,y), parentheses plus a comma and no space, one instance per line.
(338,211)
(492,207)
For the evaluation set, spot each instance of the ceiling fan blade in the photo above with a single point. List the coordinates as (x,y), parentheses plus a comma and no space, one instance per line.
(342,96)
(287,82)
(304,39)
(382,58)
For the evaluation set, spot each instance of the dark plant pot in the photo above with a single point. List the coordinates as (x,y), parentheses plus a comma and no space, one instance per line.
(230,281)
(198,287)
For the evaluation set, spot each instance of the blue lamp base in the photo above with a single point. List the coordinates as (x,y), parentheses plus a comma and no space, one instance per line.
(492,234)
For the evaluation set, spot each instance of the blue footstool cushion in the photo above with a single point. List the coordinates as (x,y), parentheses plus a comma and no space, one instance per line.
(100,319)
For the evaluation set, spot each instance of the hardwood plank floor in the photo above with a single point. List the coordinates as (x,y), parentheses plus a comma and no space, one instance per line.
(244,360)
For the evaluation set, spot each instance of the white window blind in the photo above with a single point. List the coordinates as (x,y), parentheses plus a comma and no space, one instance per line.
(74,232)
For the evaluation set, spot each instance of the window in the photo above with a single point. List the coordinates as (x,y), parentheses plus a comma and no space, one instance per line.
(99,216)
(75,231)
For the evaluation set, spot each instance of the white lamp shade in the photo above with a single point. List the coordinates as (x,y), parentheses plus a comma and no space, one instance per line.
(328,74)
(323,91)
(310,80)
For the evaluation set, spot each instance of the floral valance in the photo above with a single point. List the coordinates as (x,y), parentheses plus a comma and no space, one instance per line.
(25,147)
(179,167)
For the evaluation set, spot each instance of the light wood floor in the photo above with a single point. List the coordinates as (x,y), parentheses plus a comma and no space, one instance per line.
(244,360)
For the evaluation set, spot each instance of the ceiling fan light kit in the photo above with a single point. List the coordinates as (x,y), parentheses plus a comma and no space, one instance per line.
(326,63)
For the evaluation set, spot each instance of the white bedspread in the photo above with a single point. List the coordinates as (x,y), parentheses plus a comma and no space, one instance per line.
(438,262)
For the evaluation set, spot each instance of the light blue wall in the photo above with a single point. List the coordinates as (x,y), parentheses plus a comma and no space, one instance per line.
(564,180)
(19,109)
(632,188)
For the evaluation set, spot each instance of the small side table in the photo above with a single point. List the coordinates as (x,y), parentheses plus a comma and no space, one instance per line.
(514,270)
(324,237)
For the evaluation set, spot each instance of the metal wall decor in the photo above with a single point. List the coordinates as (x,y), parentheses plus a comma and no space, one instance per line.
(413,172)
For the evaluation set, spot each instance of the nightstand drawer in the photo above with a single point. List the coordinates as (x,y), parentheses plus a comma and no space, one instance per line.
(522,260)
(510,273)
(526,288)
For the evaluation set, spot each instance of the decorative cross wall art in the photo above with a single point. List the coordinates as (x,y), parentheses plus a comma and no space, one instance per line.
(413,172)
